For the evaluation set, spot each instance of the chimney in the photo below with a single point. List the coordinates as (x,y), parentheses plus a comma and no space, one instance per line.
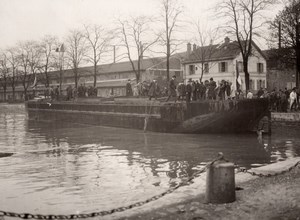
(227,40)
(114,54)
(194,47)
(188,49)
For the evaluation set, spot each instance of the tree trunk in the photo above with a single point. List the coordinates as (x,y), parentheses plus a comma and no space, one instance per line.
(60,80)
(168,61)
(13,90)
(4,93)
(95,75)
(297,54)
(25,94)
(138,71)
(202,71)
(247,76)
(76,77)
(47,80)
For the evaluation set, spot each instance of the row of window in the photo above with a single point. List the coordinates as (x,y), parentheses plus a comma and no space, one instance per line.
(259,84)
(223,67)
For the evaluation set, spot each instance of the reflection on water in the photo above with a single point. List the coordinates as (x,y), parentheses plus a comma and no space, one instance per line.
(69,168)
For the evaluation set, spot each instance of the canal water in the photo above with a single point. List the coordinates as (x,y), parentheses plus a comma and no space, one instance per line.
(67,168)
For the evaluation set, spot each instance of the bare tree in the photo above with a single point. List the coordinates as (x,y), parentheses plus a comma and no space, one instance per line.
(12,58)
(29,58)
(4,73)
(75,51)
(47,46)
(98,41)
(205,38)
(285,28)
(171,11)
(137,38)
(244,19)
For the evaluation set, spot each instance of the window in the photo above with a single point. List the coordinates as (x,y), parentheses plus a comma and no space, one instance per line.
(191,69)
(260,67)
(223,66)
(251,84)
(260,84)
(240,66)
(206,68)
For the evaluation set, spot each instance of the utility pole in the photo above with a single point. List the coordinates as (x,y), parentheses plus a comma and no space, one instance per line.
(279,35)
(61,50)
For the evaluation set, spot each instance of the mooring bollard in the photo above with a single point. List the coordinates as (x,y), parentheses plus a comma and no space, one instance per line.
(220,182)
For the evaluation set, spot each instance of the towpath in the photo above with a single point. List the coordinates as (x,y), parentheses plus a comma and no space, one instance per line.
(276,197)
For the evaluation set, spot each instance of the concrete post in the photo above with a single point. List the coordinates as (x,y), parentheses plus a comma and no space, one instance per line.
(220,183)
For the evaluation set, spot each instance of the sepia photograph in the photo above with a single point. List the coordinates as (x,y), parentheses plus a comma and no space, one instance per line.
(150,109)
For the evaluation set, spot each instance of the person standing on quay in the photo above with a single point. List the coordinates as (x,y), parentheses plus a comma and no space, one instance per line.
(153,90)
(56,92)
(181,90)
(172,89)
(211,89)
(249,95)
(293,99)
(129,88)
(189,90)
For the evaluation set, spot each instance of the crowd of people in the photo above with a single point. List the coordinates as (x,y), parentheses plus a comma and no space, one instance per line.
(72,93)
(195,90)
(80,92)
(282,100)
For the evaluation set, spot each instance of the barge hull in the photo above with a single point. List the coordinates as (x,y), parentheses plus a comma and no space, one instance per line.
(196,117)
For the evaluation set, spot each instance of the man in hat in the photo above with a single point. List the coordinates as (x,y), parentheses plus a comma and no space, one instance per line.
(172,89)
(189,90)
(211,89)
(153,90)
(129,88)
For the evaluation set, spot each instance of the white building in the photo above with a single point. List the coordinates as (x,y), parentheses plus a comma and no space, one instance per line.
(219,62)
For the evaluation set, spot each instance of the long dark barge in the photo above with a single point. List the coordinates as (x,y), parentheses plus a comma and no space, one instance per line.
(226,116)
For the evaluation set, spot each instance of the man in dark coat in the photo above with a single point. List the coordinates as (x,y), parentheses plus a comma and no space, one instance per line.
(260,92)
(189,90)
(172,89)
(202,91)
(198,87)
(153,90)
(211,89)
(129,88)
(181,90)
(56,92)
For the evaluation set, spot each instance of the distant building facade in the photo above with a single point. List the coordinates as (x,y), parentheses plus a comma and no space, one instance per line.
(111,78)
(223,62)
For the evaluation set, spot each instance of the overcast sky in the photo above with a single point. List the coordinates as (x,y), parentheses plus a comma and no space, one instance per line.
(31,19)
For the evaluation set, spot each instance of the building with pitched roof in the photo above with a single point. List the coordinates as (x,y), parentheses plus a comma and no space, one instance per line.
(111,78)
(224,62)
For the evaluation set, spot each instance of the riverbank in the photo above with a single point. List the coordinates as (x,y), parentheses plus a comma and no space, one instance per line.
(13,107)
(276,197)
(285,119)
